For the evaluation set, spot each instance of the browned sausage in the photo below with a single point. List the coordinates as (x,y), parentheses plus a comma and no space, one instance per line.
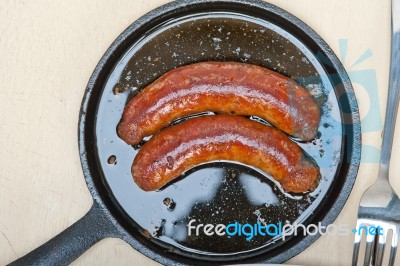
(222,87)
(179,148)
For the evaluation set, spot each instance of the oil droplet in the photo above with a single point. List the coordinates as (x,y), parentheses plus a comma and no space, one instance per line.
(171,161)
(118,89)
(158,230)
(112,160)
(169,203)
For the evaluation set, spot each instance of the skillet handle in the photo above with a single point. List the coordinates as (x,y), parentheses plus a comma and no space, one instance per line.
(73,241)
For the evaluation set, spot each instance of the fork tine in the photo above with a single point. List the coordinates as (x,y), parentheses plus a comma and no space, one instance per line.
(374,249)
(393,249)
(392,257)
(380,247)
(369,249)
(356,249)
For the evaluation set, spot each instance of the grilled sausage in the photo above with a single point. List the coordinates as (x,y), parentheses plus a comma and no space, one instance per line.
(222,87)
(179,148)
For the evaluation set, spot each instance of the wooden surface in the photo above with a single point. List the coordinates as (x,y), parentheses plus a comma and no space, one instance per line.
(48,50)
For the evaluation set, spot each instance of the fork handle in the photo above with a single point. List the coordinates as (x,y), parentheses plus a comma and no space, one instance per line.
(394,88)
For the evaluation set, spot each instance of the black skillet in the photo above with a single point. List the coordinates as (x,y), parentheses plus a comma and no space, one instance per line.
(181,33)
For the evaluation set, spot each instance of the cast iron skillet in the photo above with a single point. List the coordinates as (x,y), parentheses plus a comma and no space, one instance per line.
(181,33)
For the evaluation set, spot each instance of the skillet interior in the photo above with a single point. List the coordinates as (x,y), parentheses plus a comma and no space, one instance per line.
(220,192)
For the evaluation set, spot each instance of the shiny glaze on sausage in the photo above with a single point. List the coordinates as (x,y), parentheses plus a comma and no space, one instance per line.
(178,148)
(222,87)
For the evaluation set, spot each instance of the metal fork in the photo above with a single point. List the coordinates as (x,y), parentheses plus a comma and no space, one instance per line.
(379,210)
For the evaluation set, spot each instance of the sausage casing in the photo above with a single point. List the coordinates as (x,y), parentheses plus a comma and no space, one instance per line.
(180,147)
(222,87)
